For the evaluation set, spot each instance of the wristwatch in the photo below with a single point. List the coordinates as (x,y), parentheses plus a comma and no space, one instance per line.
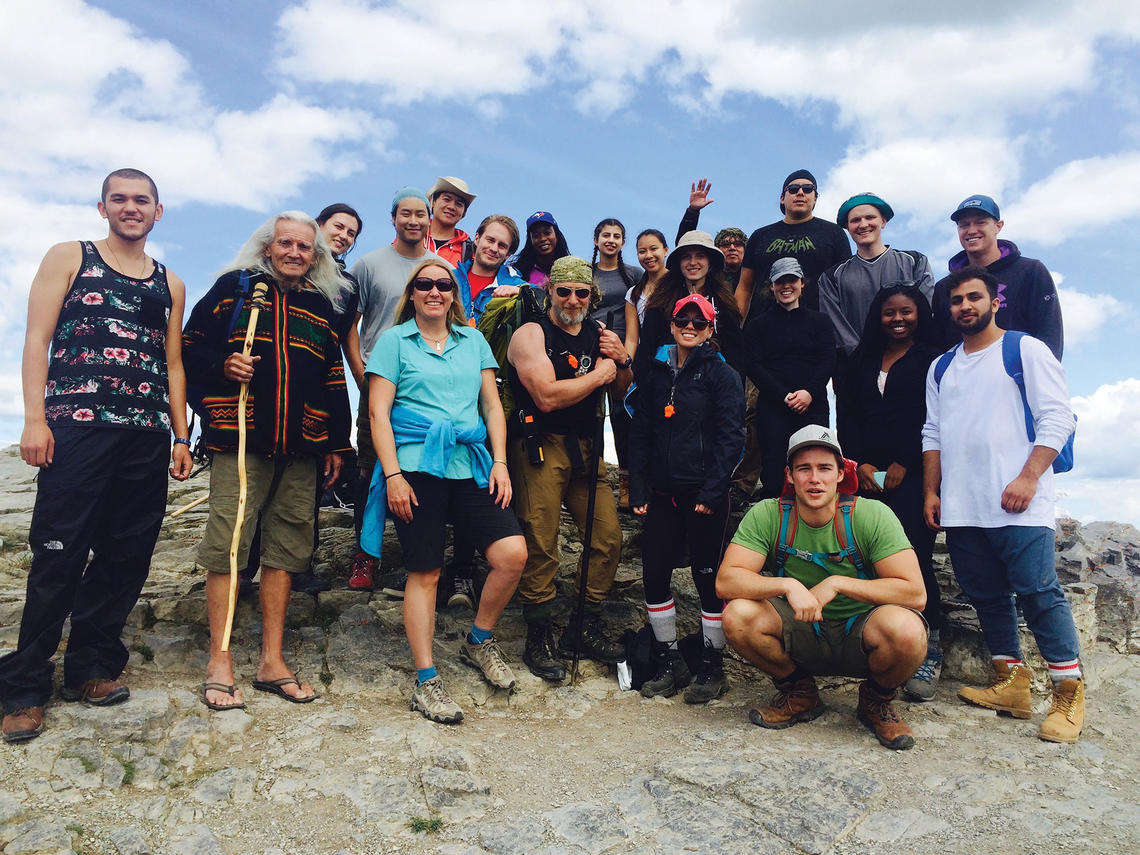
(628,362)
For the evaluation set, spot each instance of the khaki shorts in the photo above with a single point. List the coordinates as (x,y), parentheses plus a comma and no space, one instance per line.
(281,489)
(835,650)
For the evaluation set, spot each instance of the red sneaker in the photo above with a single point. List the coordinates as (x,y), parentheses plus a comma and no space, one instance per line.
(363,566)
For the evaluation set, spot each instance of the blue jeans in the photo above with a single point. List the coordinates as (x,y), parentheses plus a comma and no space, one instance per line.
(991,564)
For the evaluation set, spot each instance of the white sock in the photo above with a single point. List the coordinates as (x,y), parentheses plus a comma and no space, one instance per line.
(712,628)
(1070,670)
(663,619)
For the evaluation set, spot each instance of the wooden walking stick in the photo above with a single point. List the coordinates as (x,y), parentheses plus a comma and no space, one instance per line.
(201,500)
(256,304)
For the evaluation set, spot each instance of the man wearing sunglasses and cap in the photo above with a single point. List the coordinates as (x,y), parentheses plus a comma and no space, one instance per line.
(450,198)
(559,368)
(847,289)
(1027,295)
(816,244)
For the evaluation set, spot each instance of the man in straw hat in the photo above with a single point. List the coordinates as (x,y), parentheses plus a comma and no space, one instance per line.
(450,198)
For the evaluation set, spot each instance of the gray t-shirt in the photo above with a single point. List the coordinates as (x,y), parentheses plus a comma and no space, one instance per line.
(613,290)
(847,290)
(382,275)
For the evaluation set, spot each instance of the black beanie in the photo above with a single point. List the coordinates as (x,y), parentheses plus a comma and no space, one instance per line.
(799,173)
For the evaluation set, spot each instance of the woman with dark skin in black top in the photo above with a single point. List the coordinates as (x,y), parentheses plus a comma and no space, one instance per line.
(881,429)
(791,354)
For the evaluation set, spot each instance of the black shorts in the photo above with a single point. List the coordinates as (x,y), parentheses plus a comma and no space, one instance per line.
(470,510)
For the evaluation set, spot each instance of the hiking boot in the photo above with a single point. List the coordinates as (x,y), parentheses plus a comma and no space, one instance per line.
(793,702)
(97,692)
(461,594)
(489,659)
(877,712)
(23,725)
(1066,716)
(1009,693)
(921,686)
(363,566)
(539,655)
(432,699)
(709,683)
(672,673)
(592,645)
(393,584)
(310,583)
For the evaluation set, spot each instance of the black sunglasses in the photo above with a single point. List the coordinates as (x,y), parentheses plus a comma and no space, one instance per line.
(682,321)
(564,292)
(797,188)
(443,285)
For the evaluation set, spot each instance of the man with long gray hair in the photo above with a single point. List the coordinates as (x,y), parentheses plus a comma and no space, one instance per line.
(297,420)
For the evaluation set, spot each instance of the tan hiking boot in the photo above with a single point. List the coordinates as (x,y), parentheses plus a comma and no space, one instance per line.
(25,724)
(1009,693)
(792,703)
(880,716)
(1067,714)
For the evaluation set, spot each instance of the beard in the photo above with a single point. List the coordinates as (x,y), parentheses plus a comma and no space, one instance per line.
(570,319)
(976,326)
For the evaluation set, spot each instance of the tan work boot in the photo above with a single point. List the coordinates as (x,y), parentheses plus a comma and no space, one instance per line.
(1009,693)
(793,702)
(1067,714)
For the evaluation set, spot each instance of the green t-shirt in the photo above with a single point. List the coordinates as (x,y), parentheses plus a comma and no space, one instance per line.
(877,532)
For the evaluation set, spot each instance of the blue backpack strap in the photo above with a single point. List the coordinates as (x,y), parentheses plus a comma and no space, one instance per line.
(1011,360)
(788,520)
(943,363)
(845,534)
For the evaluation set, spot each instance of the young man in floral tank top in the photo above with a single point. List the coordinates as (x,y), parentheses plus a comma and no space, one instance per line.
(103,388)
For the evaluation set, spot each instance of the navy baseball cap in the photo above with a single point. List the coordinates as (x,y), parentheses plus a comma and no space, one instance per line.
(981,204)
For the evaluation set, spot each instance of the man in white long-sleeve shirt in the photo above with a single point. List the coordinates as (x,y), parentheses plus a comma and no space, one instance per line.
(991,487)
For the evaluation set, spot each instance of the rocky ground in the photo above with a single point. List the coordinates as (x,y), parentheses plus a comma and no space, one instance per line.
(572,769)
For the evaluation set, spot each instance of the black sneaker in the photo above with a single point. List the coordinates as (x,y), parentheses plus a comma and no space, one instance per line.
(709,684)
(393,584)
(461,594)
(592,645)
(310,583)
(539,655)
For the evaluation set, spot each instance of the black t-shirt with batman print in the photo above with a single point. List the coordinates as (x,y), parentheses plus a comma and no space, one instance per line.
(816,244)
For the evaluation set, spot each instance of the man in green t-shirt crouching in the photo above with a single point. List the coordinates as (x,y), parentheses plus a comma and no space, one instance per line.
(817,614)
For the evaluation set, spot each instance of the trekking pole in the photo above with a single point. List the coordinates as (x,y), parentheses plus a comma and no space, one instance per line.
(256,304)
(588,535)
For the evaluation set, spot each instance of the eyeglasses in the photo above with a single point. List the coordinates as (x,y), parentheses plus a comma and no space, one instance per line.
(739,244)
(287,245)
(794,189)
(682,321)
(443,285)
(564,292)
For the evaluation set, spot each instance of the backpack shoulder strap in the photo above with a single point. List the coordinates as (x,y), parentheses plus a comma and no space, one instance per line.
(239,303)
(845,534)
(787,534)
(943,363)
(1011,360)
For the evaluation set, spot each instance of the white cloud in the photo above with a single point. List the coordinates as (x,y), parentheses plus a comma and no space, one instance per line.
(1084,314)
(1106,432)
(1089,499)
(1044,210)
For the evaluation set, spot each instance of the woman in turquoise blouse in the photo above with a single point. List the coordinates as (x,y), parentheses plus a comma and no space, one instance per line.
(434,405)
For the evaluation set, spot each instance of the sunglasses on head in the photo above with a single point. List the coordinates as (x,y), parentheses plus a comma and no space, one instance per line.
(581,293)
(443,285)
(793,189)
(682,321)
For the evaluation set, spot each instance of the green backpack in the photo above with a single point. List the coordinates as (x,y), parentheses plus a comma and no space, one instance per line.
(500,319)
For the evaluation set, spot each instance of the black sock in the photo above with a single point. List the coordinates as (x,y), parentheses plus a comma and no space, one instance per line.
(796,676)
(882,691)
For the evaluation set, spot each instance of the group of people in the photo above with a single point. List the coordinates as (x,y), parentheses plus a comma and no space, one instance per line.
(485,367)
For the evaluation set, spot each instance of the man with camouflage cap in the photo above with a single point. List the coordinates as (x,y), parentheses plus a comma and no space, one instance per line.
(559,367)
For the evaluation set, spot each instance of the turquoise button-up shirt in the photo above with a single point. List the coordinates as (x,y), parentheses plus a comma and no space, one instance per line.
(439,386)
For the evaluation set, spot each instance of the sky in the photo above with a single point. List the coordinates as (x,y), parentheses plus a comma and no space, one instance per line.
(594,109)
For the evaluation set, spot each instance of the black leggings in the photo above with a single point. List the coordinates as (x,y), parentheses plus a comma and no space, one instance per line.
(906,501)
(670,522)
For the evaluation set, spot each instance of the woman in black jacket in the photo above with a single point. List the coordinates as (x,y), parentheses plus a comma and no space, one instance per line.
(791,356)
(881,429)
(686,438)
(695,266)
